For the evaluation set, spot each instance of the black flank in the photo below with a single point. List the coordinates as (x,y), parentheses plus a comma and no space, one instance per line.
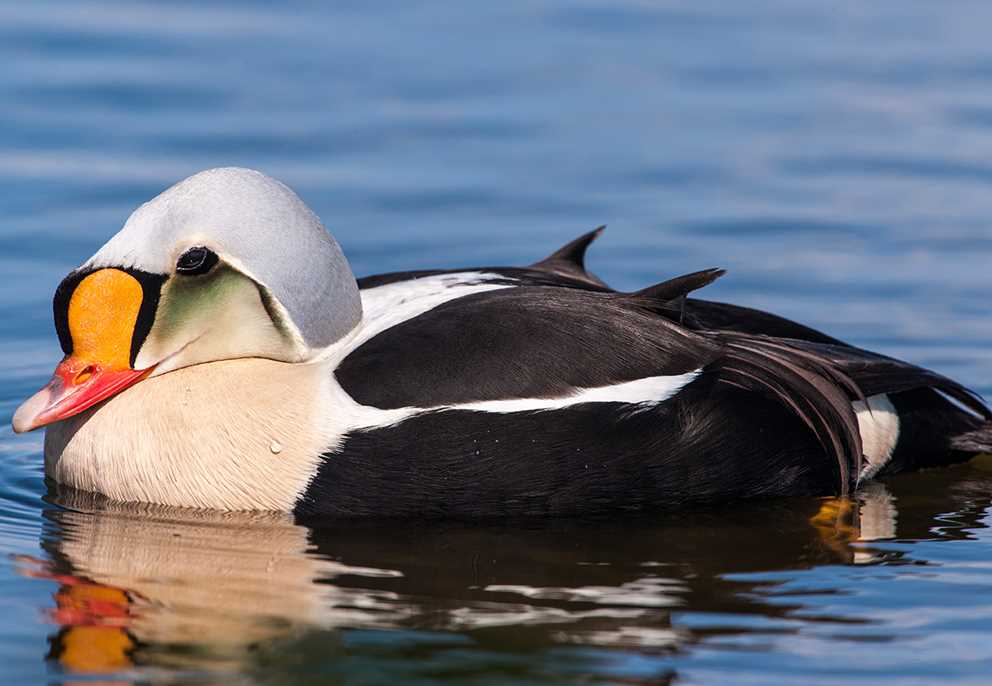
(709,443)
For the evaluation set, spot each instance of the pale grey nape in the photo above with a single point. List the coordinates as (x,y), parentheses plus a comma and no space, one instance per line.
(262,227)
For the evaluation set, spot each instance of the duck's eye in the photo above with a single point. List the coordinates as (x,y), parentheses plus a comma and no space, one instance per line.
(195,261)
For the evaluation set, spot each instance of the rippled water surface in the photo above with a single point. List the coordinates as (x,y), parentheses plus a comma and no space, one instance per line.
(835,157)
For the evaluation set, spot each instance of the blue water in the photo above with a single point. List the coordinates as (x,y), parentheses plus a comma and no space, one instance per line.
(835,157)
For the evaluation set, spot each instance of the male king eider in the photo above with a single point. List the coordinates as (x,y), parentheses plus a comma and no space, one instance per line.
(219,353)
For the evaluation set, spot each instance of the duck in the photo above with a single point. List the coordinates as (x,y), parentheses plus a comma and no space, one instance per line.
(219,353)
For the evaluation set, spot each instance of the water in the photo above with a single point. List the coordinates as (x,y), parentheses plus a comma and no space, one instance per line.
(835,157)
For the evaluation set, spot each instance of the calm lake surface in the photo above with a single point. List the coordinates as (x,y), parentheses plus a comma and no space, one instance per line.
(835,157)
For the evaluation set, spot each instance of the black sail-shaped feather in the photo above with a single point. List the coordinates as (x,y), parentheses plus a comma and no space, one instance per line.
(678,287)
(668,298)
(570,259)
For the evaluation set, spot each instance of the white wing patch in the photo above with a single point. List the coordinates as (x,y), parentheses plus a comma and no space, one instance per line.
(648,391)
(349,415)
(387,306)
(879,426)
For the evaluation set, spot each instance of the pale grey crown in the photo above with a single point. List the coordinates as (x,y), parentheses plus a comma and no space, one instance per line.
(261,227)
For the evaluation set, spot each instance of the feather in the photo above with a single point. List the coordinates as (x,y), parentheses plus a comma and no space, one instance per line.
(569,260)
(668,298)
(679,287)
(805,384)
(875,374)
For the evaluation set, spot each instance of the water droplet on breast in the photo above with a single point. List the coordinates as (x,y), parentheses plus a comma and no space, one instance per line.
(275,447)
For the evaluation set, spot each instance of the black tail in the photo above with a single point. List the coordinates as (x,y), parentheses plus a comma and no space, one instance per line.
(941,421)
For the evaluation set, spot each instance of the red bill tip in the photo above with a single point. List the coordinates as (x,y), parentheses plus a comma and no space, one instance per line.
(74,387)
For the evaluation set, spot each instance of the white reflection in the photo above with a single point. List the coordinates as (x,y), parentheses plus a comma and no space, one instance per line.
(133,576)
(646,592)
(877,512)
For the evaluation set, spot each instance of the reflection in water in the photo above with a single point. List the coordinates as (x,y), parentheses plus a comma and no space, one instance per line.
(147,587)
(142,584)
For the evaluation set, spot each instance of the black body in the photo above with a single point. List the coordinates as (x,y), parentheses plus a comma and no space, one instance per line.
(769,414)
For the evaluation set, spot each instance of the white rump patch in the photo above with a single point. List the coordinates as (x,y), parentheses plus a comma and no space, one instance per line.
(879,426)
(648,391)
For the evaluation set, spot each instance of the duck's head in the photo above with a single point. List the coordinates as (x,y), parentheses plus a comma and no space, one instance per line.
(226,264)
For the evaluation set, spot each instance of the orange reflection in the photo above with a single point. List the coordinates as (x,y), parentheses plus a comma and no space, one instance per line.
(94,620)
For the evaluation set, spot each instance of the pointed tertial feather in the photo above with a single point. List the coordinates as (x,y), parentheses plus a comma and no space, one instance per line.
(668,297)
(570,259)
(679,287)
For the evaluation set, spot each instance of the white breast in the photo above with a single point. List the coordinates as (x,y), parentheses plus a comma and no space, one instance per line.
(237,435)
